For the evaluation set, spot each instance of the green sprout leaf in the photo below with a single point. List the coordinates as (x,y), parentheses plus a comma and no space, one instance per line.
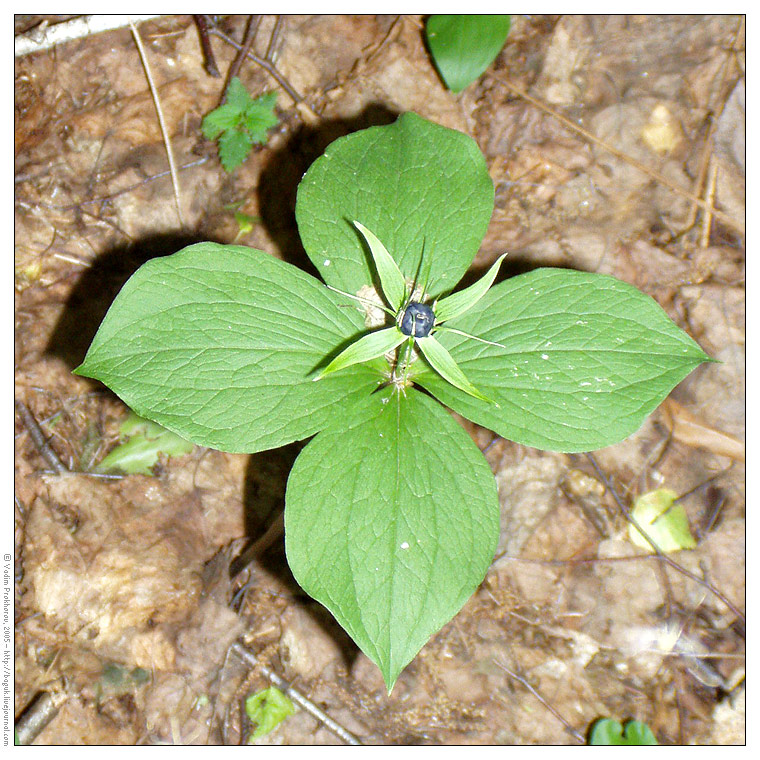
(441,361)
(239,123)
(463,46)
(219,344)
(391,279)
(665,523)
(458,303)
(391,521)
(144,442)
(245,222)
(607,732)
(267,709)
(370,346)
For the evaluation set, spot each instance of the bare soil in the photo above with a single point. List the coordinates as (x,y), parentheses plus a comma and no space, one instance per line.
(127,607)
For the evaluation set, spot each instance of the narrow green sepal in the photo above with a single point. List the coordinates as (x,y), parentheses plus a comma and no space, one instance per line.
(443,363)
(391,279)
(458,303)
(368,347)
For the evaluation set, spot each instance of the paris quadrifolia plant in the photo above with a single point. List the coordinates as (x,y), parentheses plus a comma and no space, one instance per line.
(391,511)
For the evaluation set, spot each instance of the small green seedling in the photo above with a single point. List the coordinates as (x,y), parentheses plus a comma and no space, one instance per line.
(663,521)
(391,511)
(463,47)
(267,709)
(607,732)
(144,441)
(239,122)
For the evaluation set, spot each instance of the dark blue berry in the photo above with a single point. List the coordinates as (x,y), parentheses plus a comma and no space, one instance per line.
(417,321)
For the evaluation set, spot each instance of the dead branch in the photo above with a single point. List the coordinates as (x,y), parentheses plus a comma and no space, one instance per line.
(209,62)
(254,22)
(272,70)
(43,708)
(553,710)
(161,121)
(39,439)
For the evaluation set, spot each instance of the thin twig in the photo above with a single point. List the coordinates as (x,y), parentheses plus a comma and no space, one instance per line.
(268,66)
(258,547)
(43,708)
(274,38)
(661,555)
(40,441)
(161,121)
(306,704)
(209,62)
(111,196)
(553,710)
(254,21)
(661,178)
(707,221)
(704,164)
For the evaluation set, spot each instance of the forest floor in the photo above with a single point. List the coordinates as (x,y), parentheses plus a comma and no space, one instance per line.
(607,138)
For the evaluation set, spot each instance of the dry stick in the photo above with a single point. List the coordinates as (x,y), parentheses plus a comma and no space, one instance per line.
(43,708)
(704,164)
(659,554)
(162,123)
(661,178)
(254,21)
(274,38)
(115,194)
(391,34)
(258,547)
(707,223)
(714,116)
(553,710)
(39,439)
(209,62)
(270,68)
(250,659)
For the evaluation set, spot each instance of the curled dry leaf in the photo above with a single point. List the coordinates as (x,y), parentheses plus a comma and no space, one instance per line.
(691,430)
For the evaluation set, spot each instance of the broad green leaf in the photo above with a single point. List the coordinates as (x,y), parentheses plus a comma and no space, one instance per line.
(267,709)
(441,361)
(391,279)
(370,346)
(417,185)
(608,732)
(584,358)
(458,303)
(218,344)
(464,46)
(665,524)
(144,442)
(391,522)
